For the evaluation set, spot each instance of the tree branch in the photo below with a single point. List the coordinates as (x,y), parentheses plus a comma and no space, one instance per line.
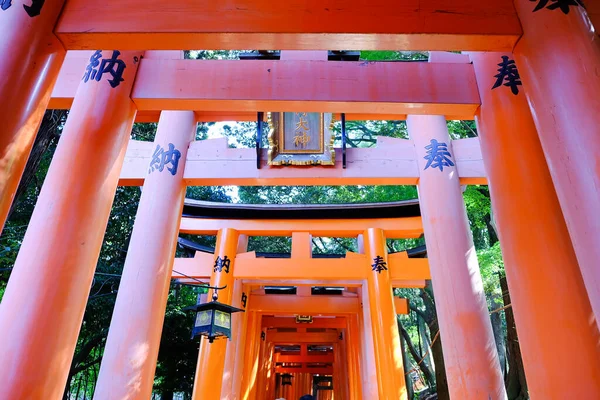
(416,356)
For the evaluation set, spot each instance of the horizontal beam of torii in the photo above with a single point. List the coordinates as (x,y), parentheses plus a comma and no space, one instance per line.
(290,24)
(391,162)
(350,271)
(237,89)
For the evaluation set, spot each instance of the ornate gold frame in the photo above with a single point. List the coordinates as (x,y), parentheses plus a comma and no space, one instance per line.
(298,157)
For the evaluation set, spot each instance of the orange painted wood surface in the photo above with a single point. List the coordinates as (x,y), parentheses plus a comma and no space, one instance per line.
(391,162)
(559,62)
(211,362)
(137,319)
(302,337)
(292,24)
(396,228)
(525,232)
(470,355)
(310,305)
(411,273)
(236,87)
(60,250)
(31,60)
(401,305)
(323,359)
(289,322)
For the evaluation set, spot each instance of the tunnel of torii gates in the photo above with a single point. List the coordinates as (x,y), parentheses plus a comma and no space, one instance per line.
(528,75)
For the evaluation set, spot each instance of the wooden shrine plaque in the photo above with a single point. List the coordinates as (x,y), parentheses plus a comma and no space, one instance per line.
(301,139)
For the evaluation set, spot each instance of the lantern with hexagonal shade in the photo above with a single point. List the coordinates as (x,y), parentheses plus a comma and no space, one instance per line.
(213,319)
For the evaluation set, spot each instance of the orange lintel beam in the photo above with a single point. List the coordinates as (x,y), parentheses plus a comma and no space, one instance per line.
(299,269)
(291,24)
(322,359)
(292,338)
(331,86)
(391,162)
(403,270)
(309,370)
(76,61)
(406,269)
(289,322)
(410,227)
(313,305)
(319,86)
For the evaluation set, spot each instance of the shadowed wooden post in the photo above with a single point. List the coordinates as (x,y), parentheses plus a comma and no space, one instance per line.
(558,59)
(234,354)
(470,355)
(249,374)
(388,353)
(129,361)
(31,59)
(533,233)
(60,249)
(209,372)
(356,390)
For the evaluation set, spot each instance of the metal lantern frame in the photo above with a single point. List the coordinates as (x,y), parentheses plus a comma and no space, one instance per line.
(213,319)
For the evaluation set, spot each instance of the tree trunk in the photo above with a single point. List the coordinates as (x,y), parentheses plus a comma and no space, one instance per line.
(426,339)
(407,367)
(430,317)
(496,319)
(516,384)
(416,356)
(45,136)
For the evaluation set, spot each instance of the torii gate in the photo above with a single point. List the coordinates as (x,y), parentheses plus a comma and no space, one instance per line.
(363,312)
(540,138)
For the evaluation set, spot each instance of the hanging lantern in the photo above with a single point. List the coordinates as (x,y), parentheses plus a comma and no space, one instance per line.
(286,379)
(213,319)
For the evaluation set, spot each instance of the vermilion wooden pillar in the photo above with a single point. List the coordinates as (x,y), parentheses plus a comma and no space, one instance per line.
(338,379)
(262,386)
(388,353)
(355,365)
(129,361)
(209,372)
(533,233)
(251,353)
(60,250)
(558,59)
(31,60)
(234,354)
(369,375)
(472,365)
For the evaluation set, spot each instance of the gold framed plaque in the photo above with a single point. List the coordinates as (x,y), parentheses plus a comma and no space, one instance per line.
(301,138)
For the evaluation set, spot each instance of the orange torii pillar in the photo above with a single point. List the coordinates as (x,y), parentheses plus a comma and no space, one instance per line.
(251,356)
(264,369)
(370,378)
(211,362)
(533,233)
(31,59)
(129,361)
(60,250)
(234,354)
(388,353)
(354,358)
(470,355)
(558,58)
